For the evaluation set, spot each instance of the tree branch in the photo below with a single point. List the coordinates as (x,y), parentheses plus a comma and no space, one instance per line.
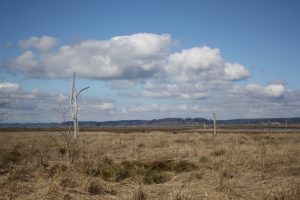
(82,90)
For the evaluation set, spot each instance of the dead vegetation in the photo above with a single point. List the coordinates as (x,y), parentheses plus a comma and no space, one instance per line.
(150,165)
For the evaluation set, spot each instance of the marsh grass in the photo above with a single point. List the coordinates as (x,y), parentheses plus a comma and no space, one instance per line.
(150,165)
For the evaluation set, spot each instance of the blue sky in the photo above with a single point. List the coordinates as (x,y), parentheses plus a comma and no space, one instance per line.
(188,58)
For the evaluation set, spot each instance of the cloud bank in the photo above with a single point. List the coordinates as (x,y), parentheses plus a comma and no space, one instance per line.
(134,56)
(144,59)
(196,81)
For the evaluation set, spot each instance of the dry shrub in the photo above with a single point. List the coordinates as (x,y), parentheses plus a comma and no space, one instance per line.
(67,196)
(228,173)
(57,169)
(203,159)
(53,191)
(106,169)
(21,175)
(141,145)
(184,165)
(294,171)
(96,188)
(68,181)
(219,152)
(11,157)
(292,193)
(129,169)
(111,171)
(196,175)
(19,189)
(3,170)
(139,194)
(180,141)
(123,174)
(134,165)
(155,177)
(62,151)
(162,165)
(155,173)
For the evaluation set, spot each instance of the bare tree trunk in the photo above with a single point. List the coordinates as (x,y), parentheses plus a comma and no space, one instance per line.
(74,106)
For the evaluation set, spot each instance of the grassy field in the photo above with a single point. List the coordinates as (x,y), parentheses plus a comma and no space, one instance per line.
(150,165)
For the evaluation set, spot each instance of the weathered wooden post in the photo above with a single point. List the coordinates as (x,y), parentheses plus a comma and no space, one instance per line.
(215,124)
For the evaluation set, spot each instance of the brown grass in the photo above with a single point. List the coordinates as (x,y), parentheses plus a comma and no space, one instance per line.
(150,165)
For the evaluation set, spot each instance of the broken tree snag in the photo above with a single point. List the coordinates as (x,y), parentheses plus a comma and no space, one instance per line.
(74,105)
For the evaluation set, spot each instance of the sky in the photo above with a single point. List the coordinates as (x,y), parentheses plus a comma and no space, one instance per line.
(149,59)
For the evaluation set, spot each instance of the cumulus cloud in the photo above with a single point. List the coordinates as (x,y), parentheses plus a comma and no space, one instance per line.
(139,65)
(137,56)
(195,73)
(26,63)
(124,57)
(43,43)
(258,93)
(195,59)
(204,63)
(273,90)
(235,71)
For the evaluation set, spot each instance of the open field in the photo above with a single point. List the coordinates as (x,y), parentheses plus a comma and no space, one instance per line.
(151,164)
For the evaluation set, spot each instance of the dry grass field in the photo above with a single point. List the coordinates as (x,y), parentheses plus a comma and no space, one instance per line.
(151,165)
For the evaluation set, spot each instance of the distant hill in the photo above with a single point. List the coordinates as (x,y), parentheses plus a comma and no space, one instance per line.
(157,122)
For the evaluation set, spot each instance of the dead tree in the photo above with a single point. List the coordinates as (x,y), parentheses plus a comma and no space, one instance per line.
(66,134)
(62,112)
(74,105)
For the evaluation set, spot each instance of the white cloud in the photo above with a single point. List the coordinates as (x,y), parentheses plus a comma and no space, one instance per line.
(273,90)
(43,43)
(139,64)
(137,56)
(141,61)
(235,71)
(105,106)
(142,65)
(204,63)
(31,106)
(26,63)
(124,57)
(195,73)
(157,89)
(195,59)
